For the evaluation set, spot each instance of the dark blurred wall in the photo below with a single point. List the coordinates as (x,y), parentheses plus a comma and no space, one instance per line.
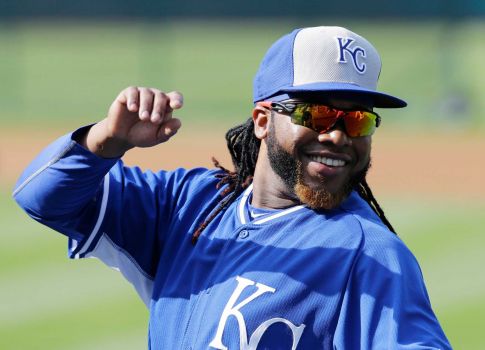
(405,9)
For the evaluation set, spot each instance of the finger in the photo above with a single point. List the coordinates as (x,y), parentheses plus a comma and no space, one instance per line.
(146,103)
(176,99)
(168,129)
(159,110)
(129,98)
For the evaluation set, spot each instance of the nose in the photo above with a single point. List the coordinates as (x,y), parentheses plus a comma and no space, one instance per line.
(337,135)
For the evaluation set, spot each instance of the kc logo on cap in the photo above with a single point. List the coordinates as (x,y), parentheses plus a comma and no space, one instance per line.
(344,46)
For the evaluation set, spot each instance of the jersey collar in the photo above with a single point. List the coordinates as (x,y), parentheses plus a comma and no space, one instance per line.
(243,215)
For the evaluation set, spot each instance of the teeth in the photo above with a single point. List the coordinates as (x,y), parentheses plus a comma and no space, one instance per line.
(328,161)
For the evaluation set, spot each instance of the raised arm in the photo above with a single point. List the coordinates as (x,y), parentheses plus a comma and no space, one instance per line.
(78,186)
(63,180)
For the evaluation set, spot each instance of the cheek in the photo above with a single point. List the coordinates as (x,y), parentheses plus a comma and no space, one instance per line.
(287,134)
(362,148)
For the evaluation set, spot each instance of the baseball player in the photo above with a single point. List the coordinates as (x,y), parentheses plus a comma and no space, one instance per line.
(289,251)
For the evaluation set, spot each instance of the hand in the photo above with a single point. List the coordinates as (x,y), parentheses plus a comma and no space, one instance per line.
(138,117)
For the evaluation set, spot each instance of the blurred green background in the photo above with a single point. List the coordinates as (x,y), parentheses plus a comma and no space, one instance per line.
(65,72)
(57,75)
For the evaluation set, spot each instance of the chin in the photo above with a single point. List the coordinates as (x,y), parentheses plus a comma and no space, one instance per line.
(321,198)
(318,195)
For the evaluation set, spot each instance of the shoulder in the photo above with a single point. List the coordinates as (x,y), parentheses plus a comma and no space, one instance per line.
(175,188)
(378,244)
(191,189)
(195,181)
(195,176)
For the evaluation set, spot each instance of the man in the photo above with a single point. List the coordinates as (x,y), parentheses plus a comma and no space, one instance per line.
(289,251)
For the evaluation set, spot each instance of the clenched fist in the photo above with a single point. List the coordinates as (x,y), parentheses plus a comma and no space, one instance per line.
(138,117)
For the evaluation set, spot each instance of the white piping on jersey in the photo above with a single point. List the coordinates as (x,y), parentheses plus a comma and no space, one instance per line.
(102,211)
(242,207)
(256,215)
(72,245)
(242,203)
(117,258)
(278,215)
(41,169)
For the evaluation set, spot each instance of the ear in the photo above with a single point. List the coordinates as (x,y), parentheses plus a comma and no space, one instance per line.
(261,117)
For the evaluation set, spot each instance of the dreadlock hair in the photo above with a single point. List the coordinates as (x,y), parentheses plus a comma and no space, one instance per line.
(365,192)
(244,146)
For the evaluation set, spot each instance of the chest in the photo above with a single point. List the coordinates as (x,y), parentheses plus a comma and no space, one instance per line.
(277,285)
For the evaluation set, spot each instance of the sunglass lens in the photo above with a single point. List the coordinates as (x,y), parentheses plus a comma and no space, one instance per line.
(317,117)
(360,123)
(302,116)
(322,118)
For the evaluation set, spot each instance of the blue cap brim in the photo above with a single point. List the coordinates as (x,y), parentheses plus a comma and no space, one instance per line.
(340,90)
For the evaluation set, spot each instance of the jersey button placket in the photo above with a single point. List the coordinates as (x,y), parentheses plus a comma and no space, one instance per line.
(243,234)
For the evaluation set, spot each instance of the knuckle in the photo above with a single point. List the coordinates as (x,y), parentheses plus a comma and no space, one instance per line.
(143,90)
(161,97)
(131,89)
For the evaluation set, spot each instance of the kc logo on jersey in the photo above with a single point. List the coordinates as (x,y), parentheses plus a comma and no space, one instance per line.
(354,53)
(233,309)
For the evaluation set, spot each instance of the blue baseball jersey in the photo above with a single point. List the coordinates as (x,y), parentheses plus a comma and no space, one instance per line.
(293,278)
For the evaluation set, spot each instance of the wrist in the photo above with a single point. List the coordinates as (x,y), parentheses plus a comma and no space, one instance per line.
(99,141)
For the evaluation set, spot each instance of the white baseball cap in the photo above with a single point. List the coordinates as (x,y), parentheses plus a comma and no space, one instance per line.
(321,61)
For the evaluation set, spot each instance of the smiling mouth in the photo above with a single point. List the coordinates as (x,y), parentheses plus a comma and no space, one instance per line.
(328,161)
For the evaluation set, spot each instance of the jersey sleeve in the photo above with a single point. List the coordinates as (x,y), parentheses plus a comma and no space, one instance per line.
(386,305)
(61,184)
(118,214)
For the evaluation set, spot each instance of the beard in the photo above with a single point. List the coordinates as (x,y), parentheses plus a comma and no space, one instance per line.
(290,170)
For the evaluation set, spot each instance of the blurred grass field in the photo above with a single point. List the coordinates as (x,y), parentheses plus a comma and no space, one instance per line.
(66,72)
(61,75)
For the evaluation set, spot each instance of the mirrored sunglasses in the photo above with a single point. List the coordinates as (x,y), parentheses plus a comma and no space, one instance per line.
(322,118)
